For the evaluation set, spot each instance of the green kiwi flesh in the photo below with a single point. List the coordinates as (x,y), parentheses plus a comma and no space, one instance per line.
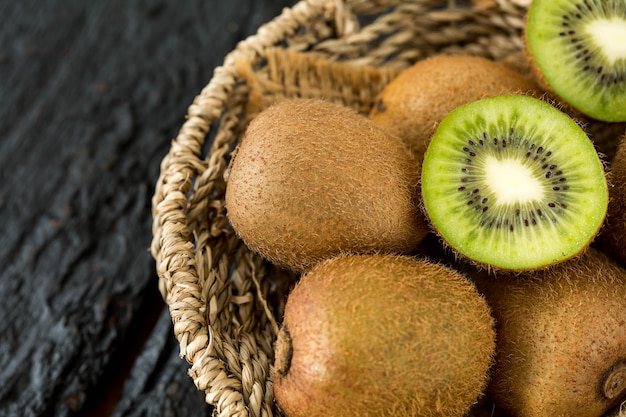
(513,183)
(382,335)
(579,47)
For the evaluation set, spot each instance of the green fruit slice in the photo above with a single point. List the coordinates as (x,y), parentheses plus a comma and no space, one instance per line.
(513,183)
(579,46)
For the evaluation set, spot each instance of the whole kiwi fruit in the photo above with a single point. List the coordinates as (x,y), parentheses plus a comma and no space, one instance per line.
(312,179)
(612,239)
(513,183)
(561,338)
(577,49)
(382,335)
(412,104)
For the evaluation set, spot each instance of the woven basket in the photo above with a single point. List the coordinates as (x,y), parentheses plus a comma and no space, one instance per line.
(225,301)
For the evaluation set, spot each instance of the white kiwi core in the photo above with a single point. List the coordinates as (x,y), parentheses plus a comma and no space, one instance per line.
(512,182)
(609,35)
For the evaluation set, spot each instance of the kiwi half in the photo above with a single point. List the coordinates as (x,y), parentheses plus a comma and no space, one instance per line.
(579,49)
(513,183)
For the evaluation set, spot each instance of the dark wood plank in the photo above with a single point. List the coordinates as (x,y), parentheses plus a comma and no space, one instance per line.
(159,385)
(92,93)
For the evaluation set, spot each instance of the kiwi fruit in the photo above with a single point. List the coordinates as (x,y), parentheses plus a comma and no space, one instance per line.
(512,183)
(578,49)
(413,103)
(561,338)
(382,335)
(312,179)
(612,240)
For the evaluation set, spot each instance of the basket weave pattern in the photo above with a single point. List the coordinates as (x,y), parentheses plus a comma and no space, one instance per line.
(225,301)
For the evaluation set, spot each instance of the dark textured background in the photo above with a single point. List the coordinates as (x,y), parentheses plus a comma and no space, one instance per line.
(91,95)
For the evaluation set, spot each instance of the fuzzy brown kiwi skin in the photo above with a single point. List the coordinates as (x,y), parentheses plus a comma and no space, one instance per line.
(312,179)
(382,335)
(612,240)
(561,338)
(413,104)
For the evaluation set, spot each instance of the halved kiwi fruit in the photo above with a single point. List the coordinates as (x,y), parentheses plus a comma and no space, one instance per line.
(579,49)
(513,183)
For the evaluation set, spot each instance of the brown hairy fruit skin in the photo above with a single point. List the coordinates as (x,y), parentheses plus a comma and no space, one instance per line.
(412,104)
(312,179)
(382,335)
(561,338)
(613,237)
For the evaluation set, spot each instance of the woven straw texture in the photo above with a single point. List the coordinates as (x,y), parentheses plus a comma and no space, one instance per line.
(225,302)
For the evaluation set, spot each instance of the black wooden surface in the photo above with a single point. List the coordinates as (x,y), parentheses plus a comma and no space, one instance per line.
(91,93)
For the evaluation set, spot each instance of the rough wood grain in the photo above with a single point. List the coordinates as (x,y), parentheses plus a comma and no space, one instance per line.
(159,385)
(92,93)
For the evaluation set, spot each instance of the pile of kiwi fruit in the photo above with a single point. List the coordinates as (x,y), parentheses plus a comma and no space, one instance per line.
(460,248)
